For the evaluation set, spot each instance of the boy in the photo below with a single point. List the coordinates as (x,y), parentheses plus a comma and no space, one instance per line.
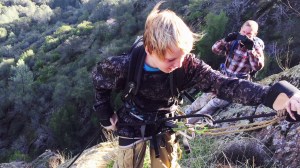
(244,55)
(166,45)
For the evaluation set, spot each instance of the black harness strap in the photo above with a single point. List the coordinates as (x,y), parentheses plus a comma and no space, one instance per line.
(138,55)
(135,71)
(177,81)
(204,116)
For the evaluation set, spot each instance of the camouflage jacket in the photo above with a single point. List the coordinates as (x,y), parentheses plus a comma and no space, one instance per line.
(111,74)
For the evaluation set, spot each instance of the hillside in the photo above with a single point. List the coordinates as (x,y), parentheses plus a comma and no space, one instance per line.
(49,47)
(275,145)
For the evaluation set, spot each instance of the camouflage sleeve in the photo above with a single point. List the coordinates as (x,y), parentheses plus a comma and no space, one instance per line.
(107,75)
(204,78)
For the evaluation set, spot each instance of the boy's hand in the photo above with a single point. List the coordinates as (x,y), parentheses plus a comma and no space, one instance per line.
(231,36)
(113,120)
(293,107)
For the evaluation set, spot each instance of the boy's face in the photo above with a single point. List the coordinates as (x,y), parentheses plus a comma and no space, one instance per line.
(173,59)
(248,31)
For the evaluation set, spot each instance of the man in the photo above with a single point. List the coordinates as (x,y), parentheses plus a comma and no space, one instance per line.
(244,55)
(166,45)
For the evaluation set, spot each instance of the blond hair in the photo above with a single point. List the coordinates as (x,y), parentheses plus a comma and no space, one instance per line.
(252,24)
(165,30)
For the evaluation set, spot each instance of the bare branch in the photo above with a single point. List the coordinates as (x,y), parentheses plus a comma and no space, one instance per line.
(288,4)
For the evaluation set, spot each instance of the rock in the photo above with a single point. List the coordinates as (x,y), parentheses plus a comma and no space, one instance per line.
(98,156)
(15,165)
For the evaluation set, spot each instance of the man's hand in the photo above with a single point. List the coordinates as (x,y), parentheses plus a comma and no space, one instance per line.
(231,36)
(113,120)
(248,43)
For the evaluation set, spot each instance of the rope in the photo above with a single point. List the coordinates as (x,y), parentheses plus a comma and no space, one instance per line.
(202,128)
(241,128)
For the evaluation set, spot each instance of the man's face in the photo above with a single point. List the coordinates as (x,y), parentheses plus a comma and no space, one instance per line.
(173,59)
(248,31)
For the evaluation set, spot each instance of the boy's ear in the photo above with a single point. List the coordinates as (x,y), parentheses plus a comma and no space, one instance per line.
(148,51)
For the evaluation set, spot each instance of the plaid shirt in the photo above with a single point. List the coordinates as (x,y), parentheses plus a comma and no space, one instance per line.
(242,61)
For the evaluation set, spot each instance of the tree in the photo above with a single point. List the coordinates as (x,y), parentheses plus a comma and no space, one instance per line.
(43,14)
(20,87)
(214,30)
(3,33)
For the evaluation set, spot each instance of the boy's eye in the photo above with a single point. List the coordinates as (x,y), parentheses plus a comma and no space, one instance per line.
(170,60)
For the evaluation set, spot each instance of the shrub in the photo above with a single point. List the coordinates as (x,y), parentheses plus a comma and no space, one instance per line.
(43,14)
(3,33)
(7,51)
(5,68)
(64,126)
(18,156)
(84,28)
(46,72)
(214,29)
(26,54)
(50,43)
(55,56)
(63,29)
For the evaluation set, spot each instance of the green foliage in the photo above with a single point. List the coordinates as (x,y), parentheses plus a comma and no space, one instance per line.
(118,46)
(3,33)
(5,68)
(63,29)
(26,54)
(129,27)
(20,87)
(39,64)
(8,15)
(7,51)
(42,14)
(214,30)
(101,11)
(64,4)
(84,16)
(270,67)
(51,43)
(55,56)
(23,77)
(196,13)
(84,28)
(105,32)
(18,156)
(11,35)
(46,73)
(44,84)
(64,124)
(81,91)
(203,149)
(110,164)
(62,91)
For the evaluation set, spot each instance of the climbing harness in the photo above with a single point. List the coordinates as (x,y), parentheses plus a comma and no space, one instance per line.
(134,79)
